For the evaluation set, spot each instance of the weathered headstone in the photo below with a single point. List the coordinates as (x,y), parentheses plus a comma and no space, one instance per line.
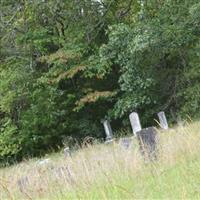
(43,162)
(125,142)
(108,130)
(163,120)
(59,172)
(23,183)
(64,172)
(67,151)
(135,122)
(147,142)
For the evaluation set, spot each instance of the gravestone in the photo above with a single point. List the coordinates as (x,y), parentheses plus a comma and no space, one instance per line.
(147,138)
(108,130)
(59,172)
(23,184)
(125,142)
(65,173)
(67,152)
(43,162)
(163,120)
(135,122)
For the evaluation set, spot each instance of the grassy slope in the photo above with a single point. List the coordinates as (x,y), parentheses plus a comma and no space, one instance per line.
(111,172)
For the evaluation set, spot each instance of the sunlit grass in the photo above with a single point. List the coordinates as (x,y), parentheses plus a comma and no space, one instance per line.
(112,172)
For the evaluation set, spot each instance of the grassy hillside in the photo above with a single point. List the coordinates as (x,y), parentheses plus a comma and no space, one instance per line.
(112,172)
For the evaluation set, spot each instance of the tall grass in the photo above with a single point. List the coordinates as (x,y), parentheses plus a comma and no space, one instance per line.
(112,172)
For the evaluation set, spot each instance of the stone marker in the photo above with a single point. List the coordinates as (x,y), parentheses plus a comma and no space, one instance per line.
(135,122)
(125,142)
(64,172)
(163,120)
(108,130)
(43,162)
(23,183)
(147,142)
(67,152)
(60,172)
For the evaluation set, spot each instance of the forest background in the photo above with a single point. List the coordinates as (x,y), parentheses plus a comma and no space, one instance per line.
(67,64)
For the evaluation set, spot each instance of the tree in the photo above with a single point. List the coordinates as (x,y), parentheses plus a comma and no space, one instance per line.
(65,65)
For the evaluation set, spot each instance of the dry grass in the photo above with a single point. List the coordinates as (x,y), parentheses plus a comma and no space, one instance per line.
(112,172)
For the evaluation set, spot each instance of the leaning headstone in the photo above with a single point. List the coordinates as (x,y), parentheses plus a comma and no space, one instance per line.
(147,138)
(108,130)
(135,122)
(163,120)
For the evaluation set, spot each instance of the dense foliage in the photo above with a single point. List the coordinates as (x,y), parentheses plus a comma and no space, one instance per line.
(65,65)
